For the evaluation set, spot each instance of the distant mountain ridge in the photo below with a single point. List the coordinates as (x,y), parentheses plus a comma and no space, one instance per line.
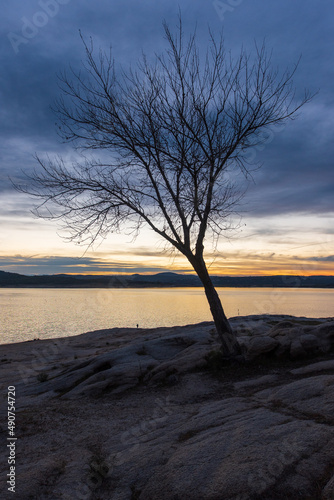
(164,279)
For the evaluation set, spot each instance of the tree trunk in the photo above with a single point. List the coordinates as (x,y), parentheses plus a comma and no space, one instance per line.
(230,346)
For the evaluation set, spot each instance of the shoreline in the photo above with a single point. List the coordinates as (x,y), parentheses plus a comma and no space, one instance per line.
(162,279)
(275,337)
(233,319)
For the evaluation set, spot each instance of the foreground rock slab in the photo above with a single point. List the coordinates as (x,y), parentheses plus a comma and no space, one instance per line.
(142,414)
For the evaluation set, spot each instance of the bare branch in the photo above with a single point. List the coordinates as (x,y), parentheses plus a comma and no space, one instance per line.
(172,130)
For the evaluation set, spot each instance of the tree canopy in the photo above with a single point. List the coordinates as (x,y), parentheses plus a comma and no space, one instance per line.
(174,133)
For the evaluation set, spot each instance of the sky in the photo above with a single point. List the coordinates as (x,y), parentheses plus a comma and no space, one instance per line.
(287,212)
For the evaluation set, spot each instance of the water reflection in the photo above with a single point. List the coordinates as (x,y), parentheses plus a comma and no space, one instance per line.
(45,313)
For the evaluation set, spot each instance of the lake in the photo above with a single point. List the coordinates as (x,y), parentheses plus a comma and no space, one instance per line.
(31,313)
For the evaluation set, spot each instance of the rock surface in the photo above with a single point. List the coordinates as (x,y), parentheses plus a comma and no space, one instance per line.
(128,414)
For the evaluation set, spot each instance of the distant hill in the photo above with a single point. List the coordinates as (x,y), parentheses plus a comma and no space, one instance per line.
(166,279)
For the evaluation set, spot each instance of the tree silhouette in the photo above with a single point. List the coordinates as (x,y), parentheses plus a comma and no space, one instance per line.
(175,131)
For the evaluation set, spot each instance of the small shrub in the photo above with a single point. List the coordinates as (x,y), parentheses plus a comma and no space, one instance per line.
(42,377)
(184,436)
(142,351)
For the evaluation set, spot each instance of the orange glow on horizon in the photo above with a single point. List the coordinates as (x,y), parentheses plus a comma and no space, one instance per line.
(248,272)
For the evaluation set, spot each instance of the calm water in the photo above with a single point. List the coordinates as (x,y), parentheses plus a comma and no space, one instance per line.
(45,313)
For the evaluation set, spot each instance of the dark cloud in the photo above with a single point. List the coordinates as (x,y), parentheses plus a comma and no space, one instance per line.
(328,258)
(225,263)
(297,175)
(55,265)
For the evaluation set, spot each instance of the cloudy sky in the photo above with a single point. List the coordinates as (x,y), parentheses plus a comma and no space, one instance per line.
(287,224)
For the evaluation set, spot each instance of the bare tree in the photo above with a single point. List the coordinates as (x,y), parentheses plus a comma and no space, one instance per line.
(171,129)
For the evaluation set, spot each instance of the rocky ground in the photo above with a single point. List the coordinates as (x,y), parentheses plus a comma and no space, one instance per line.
(156,414)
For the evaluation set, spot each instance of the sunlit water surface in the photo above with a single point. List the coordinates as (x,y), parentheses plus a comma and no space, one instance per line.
(26,314)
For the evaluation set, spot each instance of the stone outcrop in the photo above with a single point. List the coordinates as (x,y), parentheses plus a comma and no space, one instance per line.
(150,415)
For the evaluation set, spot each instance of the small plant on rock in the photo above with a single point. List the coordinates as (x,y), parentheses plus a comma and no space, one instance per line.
(42,377)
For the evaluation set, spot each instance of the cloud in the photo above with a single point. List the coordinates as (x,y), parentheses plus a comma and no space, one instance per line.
(297,174)
(84,265)
(328,258)
(230,263)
